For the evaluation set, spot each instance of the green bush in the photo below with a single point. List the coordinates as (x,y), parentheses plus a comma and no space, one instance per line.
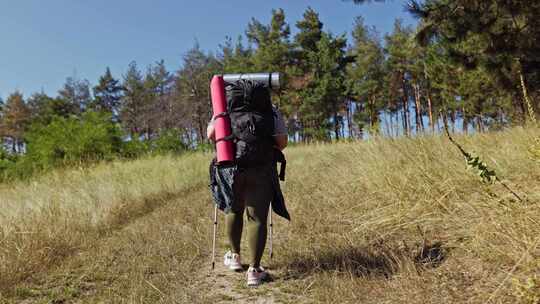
(14,166)
(81,140)
(7,164)
(134,148)
(73,140)
(169,141)
(205,147)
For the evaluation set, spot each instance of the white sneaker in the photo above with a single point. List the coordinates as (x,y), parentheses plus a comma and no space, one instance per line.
(255,276)
(232,260)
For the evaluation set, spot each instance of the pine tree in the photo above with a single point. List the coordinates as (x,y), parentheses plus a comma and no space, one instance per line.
(272,49)
(160,105)
(310,32)
(299,71)
(2,109)
(44,108)
(323,97)
(107,95)
(365,76)
(2,106)
(76,95)
(192,91)
(398,72)
(237,58)
(133,102)
(273,52)
(272,43)
(501,36)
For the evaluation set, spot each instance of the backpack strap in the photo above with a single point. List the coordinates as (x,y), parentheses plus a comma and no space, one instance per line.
(227,138)
(222,114)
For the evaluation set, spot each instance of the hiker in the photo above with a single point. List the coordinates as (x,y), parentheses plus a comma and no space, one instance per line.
(260,136)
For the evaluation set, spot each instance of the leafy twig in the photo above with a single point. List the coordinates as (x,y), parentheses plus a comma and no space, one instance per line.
(474,162)
(530,109)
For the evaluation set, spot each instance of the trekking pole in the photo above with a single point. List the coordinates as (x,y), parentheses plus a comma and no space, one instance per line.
(214,239)
(270,249)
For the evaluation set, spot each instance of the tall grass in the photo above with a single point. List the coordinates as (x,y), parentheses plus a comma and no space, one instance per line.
(53,216)
(381,221)
(387,208)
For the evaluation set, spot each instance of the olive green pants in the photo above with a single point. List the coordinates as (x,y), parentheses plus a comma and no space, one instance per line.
(253,192)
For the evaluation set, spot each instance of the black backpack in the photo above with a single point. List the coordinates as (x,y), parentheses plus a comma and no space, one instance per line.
(252,121)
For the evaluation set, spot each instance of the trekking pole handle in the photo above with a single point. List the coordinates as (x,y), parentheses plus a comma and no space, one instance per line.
(272,80)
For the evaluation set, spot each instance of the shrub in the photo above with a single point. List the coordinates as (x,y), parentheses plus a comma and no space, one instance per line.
(7,164)
(72,140)
(134,148)
(169,141)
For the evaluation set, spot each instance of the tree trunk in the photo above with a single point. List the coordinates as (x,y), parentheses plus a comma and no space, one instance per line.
(396,124)
(501,116)
(405,116)
(403,121)
(478,124)
(349,119)
(201,130)
(406,113)
(453,118)
(373,118)
(336,125)
(465,120)
(394,120)
(418,109)
(385,122)
(430,113)
(390,125)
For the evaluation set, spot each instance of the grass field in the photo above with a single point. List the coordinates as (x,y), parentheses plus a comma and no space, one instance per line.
(379,221)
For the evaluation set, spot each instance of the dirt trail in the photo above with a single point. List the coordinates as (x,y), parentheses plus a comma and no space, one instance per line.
(158,255)
(230,287)
(227,286)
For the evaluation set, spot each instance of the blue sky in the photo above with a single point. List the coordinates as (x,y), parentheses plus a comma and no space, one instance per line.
(43,42)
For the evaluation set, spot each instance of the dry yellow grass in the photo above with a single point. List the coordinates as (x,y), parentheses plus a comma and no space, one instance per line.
(382,221)
(48,219)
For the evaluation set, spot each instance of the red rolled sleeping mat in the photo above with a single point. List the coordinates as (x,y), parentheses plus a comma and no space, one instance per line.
(222,122)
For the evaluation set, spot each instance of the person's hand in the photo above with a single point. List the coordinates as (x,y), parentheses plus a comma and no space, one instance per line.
(211,131)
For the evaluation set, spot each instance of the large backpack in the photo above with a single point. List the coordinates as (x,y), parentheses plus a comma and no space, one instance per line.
(252,122)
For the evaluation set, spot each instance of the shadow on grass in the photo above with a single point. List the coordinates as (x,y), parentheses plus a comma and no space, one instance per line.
(365,262)
(431,255)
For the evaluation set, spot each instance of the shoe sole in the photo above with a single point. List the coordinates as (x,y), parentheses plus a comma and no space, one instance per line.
(258,282)
(236,268)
